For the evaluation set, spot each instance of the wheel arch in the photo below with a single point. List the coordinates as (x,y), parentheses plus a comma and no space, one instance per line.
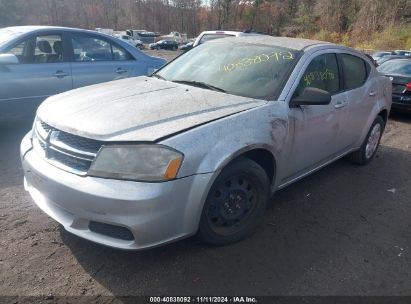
(384,115)
(259,154)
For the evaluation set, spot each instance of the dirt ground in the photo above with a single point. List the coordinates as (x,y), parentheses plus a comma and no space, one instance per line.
(166,54)
(343,231)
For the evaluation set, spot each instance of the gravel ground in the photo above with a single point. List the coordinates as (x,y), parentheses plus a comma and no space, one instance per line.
(343,231)
(166,54)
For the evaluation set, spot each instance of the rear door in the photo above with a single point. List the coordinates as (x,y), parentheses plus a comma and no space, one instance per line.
(96,59)
(361,91)
(42,71)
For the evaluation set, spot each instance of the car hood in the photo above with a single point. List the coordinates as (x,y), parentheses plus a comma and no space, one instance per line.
(138,109)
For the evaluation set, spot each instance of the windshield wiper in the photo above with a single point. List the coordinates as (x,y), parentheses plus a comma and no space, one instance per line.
(200,85)
(158,76)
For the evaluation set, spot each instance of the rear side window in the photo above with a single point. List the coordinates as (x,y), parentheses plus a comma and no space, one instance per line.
(120,54)
(355,71)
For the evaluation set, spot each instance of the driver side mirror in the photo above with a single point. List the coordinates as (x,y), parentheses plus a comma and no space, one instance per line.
(8,59)
(311,96)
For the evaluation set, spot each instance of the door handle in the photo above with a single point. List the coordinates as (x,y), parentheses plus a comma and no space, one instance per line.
(340,104)
(121,71)
(372,93)
(60,74)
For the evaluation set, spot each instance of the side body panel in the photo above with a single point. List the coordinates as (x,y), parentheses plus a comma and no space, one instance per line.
(24,86)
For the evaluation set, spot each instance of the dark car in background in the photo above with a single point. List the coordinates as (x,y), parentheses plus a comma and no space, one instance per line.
(399,70)
(39,61)
(378,55)
(383,59)
(403,52)
(164,45)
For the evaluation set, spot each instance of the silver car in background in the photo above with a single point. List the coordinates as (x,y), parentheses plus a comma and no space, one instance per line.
(130,40)
(37,62)
(202,144)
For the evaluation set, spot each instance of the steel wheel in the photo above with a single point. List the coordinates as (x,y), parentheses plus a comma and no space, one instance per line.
(373,140)
(235,203)
(230,204)
(370,145)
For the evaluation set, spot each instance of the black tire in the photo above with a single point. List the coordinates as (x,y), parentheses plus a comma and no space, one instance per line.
(175,48)
(235,204)
(361,156)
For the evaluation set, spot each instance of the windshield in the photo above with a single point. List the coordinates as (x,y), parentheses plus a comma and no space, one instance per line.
(398,67)
(250,70)
(7,34)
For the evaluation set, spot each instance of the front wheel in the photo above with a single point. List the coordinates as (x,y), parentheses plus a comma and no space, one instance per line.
(235,204)
(371,142)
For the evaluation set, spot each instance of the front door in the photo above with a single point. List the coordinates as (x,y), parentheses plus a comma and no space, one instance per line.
(97,60)
(40,73)
(316,127)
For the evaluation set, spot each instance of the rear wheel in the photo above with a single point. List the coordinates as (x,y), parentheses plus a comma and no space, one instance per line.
(235,203)
(371,142)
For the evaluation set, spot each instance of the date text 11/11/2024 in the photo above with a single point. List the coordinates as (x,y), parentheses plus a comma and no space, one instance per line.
(203,299)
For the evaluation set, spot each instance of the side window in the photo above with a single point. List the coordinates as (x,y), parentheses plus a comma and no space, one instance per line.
(121,54)
(48,49)
(355,71)
(321,73)
(40,49)
(20,50)
(90,48)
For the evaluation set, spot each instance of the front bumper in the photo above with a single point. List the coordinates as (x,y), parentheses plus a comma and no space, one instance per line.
(154,213)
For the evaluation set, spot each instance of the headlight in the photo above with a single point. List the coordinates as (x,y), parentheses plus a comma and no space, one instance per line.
(151,163)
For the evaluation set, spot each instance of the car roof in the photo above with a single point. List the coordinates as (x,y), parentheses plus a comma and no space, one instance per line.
(32,28)
(28,28)
(222,32)
(286,42)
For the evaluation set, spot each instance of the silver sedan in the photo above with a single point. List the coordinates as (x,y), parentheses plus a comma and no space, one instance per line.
(202,144)
(37,62)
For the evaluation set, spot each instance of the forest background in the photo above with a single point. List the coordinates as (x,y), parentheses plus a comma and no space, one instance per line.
(366,24)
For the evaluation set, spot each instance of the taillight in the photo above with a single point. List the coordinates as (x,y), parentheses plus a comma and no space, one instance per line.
(408,86)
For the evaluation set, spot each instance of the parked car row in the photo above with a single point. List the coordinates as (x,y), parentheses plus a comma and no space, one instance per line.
(134,42)
(382,56)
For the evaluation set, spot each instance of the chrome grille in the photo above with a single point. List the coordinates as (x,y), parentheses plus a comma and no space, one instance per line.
(45,126)
(64,150)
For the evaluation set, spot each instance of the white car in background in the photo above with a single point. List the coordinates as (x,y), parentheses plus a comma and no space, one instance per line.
(211,35)
(130,40)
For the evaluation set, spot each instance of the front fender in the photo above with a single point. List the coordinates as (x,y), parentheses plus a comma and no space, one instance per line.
(210,147)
